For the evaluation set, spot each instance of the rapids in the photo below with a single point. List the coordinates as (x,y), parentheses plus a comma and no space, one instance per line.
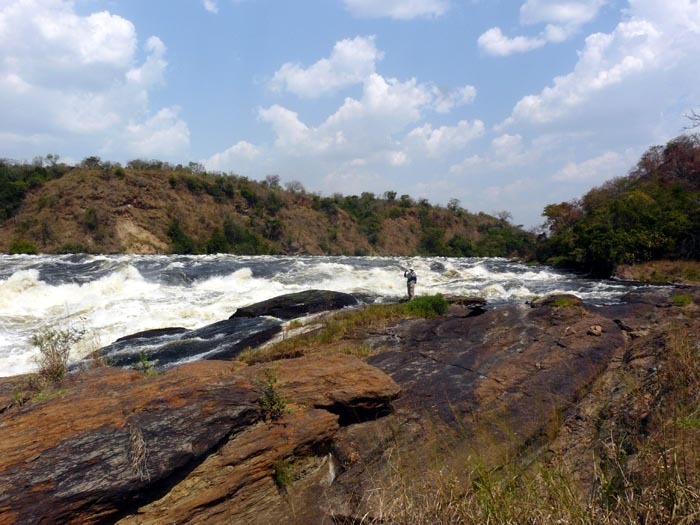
(111,296)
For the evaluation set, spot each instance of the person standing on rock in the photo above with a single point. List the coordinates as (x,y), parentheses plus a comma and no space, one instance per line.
(411,279)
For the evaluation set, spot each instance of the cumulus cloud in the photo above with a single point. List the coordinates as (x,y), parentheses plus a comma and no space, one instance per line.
(505,151)
(362,127)
(77,81)
(563,19)
(447,100)
(162,134)
(494,42)
(596,170)
(351,61)
(647,62)
(239,154)
(397,9)
(436,142)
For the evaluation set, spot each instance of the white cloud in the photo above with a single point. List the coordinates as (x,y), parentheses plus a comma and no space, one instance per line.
(641,66)
(74,81)
(237,155)
(211,6)
(397,9)
(505,152)
(596,170)
(571,12)
(162,134)
(351,61)
(563,19)
(437,142)
(446,100)
(494,42)
(152,72)
(359,127)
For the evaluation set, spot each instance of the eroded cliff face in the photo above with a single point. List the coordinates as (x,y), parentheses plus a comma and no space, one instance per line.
(192,445)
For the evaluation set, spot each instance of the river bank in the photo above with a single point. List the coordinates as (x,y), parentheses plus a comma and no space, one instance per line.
(425,416)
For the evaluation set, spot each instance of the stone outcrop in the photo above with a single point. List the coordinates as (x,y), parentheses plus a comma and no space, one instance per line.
(191,445)
(166,347)
(293,305)
(111,441)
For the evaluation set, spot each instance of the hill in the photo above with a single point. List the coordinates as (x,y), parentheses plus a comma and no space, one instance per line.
(652,213)
(154,207)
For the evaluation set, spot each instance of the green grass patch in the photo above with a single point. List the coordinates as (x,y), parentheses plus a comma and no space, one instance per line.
(681,300)
(339,325)
(562,302)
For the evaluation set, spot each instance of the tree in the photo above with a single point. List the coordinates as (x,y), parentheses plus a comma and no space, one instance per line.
(694,117)
(453,205)
(273,181)
(91,162)
(295,186)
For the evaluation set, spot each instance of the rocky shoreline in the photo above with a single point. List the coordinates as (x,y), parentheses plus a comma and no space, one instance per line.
(194,444)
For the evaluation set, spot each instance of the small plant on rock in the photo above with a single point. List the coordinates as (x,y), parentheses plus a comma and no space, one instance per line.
(145,366)
(54,348)
(283,472)
(272,403)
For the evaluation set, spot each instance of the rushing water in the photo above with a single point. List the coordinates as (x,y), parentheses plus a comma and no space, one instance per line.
(112,296)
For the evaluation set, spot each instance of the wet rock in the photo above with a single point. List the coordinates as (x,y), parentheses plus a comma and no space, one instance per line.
(166,347)
(291,306)
(560,300)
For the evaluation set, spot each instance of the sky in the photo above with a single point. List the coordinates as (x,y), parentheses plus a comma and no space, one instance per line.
(505,105)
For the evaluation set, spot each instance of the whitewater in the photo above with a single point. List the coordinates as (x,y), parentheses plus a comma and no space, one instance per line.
(111,296)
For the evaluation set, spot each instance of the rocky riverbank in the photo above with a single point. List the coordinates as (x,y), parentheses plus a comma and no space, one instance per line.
(551,381)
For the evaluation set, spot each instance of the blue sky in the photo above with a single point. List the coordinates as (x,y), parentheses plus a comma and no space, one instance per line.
(502,104)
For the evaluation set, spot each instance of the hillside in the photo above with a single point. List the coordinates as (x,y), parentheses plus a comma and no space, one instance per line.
(152,207)
(652,213)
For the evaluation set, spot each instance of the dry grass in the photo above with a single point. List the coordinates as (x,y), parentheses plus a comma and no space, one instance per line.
(335,332)
(642,477)
(662,272)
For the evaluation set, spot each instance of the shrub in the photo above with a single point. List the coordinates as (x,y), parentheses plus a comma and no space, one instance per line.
(145,366)
(22,246)
(283,472)
(272,403)
(426,306)
(681,300)
(54,348)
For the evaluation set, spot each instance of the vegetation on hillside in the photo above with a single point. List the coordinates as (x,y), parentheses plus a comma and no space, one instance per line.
(184,209)
(652,213)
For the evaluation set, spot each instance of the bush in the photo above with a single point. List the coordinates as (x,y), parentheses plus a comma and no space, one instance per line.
(54,348)
(426,306)
(681,300)
(283,471)
(21,246)
(272,403)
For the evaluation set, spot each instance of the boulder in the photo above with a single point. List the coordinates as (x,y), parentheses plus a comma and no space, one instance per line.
(169,346)
(557,300)
(293,305)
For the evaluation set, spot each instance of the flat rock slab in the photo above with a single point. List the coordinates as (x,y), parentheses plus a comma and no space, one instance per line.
(109,441)
(293,305)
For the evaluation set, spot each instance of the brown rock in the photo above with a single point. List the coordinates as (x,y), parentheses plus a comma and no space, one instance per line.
(110,440)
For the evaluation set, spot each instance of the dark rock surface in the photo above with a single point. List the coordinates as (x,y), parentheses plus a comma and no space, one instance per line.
(293,305)
(510,376)
(165,347)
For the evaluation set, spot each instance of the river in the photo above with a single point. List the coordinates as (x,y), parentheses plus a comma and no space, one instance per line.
(110,296)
